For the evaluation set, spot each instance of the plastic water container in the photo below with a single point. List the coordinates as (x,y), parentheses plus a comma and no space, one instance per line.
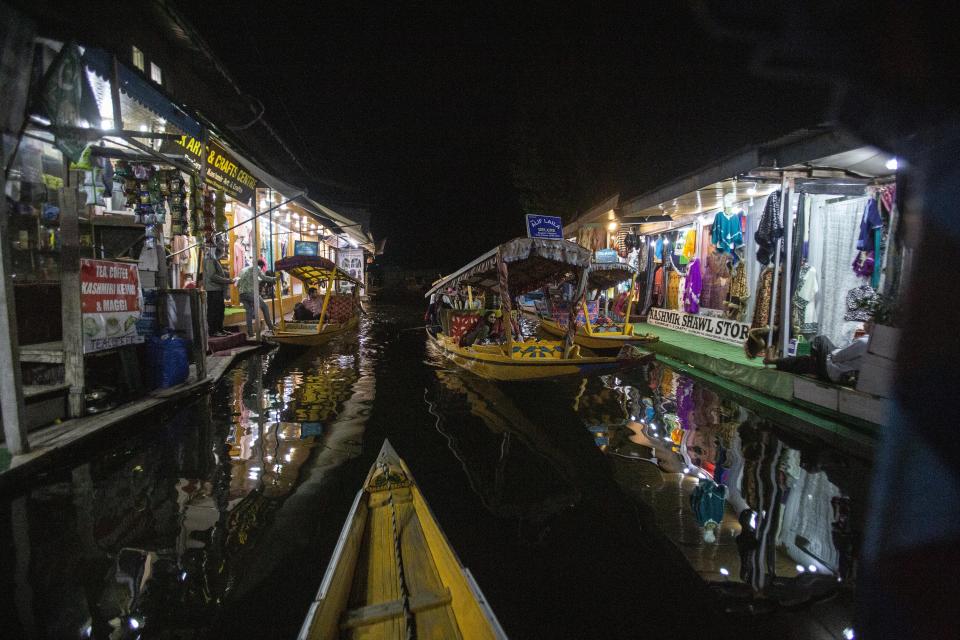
(169,361)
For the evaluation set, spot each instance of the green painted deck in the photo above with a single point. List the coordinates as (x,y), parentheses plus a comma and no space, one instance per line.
(762,389)
(697,344)
(720,359)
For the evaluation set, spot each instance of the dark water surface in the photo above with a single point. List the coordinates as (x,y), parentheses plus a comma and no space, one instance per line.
(569,500)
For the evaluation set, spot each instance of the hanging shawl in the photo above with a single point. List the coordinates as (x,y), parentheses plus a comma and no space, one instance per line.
(770,229)
(692,288)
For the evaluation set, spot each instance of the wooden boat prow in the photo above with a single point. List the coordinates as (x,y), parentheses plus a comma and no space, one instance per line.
(393,573)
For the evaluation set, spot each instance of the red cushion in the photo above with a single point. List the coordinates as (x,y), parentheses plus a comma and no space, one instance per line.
(339,309)
(461,325)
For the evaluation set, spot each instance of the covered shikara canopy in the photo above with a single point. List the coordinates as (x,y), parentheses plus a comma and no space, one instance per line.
(312,269)
(603,275)
(532,263)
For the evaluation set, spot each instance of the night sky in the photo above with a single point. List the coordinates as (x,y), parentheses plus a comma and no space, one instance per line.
(450,121)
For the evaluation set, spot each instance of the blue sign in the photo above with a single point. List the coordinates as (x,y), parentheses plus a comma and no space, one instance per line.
(549,227)
(306,248)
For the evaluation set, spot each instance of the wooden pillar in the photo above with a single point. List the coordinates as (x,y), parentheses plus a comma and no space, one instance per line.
(256,256)
(11,390)
(70,295)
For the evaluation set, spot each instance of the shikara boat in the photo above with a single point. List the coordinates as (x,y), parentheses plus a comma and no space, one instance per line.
(611,337)
(393,573)
(340,312)
(514,268)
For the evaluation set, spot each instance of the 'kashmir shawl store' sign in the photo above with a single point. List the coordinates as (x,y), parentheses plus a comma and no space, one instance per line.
(719,329)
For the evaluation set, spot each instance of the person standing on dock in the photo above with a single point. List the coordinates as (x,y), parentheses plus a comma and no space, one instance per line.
(249,278)
(215,282)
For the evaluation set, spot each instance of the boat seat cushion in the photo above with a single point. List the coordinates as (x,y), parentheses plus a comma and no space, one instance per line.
(462,324)
(340,309)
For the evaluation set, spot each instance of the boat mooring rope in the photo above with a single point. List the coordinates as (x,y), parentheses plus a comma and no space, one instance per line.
(404,594)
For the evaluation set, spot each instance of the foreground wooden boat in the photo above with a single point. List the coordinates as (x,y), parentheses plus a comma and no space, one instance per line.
(340,312)
(611,337)
(516,267)
(393,573)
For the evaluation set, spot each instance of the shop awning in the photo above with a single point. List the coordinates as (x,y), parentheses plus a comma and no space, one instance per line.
(756,171)
(133,85)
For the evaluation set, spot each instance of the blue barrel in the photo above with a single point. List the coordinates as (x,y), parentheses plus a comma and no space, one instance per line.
(169,361)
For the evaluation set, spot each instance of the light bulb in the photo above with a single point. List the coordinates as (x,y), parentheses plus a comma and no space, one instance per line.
(892,164)
(612,226)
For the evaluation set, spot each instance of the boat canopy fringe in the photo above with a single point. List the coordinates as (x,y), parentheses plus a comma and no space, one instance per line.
(312,269)
(532,264)
(603,275)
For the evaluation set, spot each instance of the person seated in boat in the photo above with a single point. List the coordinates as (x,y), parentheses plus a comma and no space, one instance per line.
(310,307)
(827,362)
(480,333)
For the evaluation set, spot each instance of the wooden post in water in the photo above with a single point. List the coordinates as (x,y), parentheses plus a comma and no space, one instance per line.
(72,317)
(11,389)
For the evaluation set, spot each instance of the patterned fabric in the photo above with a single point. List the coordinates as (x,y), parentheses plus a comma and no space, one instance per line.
(770,229)
(692,287)
(737,294)
(461,325)
(859,301)
(727,232)
(673,291)
(339,309)
(805,301)
(537,351)
(716,281)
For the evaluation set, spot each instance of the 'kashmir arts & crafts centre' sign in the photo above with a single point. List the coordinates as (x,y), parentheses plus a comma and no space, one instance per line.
(110,303)
(223,170)
(719,329)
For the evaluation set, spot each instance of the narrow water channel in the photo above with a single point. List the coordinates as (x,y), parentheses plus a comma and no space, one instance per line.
(579,505)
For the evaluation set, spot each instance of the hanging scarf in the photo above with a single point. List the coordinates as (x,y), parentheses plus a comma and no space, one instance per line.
(770,229)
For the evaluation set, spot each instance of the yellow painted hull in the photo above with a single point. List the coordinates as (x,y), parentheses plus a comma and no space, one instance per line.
(309,336)
(489,361)
(595,342)
(368,592)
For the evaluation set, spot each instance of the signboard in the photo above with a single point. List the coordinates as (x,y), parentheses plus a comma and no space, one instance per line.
(223,170)
(351,261)
(548,227)
(306,248)
(719,329)
(606,256)
(110,304)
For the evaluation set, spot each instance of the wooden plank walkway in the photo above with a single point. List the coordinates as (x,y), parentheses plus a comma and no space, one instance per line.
(50,443)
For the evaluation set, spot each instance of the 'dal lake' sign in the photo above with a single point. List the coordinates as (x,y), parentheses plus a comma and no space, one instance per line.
(548,227)
(719,329)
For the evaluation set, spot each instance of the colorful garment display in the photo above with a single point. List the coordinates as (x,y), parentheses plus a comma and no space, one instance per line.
(737,294)
(658,250)
(770,229)
(673,290)
(690,245)
(692,287)
(805,301)
(727,232)
(716,281)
